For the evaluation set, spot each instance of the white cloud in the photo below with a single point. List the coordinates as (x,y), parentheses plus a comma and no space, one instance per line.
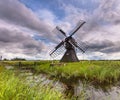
(20,24)
(102,25)
(18,27)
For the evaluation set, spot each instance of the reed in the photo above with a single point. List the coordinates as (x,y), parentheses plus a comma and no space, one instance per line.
(14,88)
(92,71)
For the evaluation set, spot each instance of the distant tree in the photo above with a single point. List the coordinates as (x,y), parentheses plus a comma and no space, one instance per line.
(5,59)
(17,59)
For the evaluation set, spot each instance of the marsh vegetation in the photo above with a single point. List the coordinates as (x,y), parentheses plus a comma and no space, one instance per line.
(98,74)
(15,87)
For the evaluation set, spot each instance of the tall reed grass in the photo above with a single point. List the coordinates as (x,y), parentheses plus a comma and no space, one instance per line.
(12,88)
(93,71)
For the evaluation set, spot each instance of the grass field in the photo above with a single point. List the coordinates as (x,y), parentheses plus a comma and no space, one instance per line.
(14,88)
(92,71)
(97,73)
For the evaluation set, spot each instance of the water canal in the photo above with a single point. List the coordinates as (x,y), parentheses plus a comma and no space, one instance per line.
(76,88)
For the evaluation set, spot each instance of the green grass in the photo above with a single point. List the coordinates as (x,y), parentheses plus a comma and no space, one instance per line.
(14,88)
(98,73)
(93,71)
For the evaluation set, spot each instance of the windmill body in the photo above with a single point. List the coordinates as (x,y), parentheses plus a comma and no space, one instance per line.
(70,54)
(69,44)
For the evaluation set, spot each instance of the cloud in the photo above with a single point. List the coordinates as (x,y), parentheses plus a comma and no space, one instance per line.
(109,11)
(16,13)
(98,45)
(18,25)
(105,46)
(16,41)
(29,33)
(101,32)
(112,49)
(106,13)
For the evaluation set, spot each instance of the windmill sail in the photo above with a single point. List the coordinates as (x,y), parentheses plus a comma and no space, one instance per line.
(83,45)
(78,26)
(69,44)
(61,31)
(58,52)
(77,46)
(56,48)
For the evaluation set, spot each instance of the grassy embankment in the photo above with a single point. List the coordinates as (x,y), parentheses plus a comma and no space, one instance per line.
(14,88)
(93,71)
(97,72)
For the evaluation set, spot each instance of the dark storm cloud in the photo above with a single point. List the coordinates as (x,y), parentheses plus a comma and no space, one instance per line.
(17,42)
(15,19)
(98,45)
(112,49)
(32,47)
(8,36)
(105,46)
(14,12)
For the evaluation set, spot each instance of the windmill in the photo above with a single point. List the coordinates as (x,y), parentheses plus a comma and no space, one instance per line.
(69,44)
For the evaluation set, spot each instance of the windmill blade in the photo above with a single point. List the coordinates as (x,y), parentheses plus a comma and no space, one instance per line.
(83,45)
(61,31)
(75,44)
(58,46)
(79,25)
(80,48)
(58,52)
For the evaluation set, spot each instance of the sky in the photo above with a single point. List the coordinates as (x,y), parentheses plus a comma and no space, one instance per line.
(27,27)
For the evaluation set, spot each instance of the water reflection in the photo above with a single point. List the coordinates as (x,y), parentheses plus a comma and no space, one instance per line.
(74,86)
